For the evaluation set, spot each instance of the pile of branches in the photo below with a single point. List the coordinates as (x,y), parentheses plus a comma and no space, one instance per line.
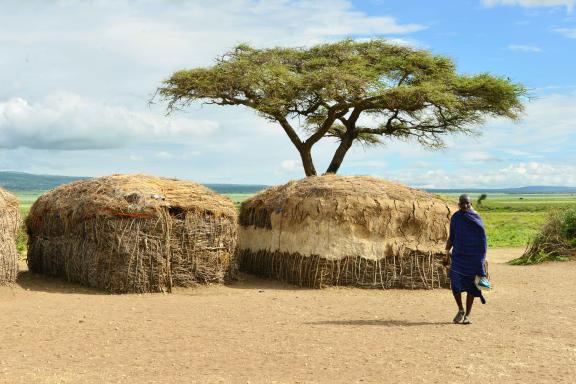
(556,241)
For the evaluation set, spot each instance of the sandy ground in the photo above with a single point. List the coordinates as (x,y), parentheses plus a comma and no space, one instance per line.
(258,331)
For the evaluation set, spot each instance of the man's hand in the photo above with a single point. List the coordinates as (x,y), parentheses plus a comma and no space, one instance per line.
(446,261)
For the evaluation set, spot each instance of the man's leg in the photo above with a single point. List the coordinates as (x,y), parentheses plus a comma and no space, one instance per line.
(460,315)
(458,298)
(469,302)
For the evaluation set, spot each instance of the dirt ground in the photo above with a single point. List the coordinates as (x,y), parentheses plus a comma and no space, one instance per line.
(258,331)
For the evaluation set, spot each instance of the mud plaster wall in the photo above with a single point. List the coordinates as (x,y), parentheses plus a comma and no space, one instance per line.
(351,226)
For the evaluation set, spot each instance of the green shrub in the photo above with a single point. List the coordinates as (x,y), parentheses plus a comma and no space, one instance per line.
(569,224)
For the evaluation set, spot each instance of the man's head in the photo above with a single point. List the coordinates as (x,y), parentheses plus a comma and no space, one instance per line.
(464,203)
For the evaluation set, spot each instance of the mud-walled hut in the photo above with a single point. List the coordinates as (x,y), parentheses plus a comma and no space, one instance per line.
(346,230)
(133,233)
(10,221)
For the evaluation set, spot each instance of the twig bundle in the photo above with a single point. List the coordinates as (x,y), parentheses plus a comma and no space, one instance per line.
(133,233)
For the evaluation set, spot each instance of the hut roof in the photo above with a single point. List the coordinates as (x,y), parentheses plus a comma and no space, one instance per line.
(335,186)
(8,202)
(133,195)
(343,198)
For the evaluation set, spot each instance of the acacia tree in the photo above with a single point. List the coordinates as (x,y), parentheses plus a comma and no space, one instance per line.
(356,92)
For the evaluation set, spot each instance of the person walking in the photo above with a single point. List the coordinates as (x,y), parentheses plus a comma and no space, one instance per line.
(466,254)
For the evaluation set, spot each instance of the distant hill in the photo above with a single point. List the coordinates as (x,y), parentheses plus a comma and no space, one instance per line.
(23,182)
(19,181)
(544,189)
(520,190)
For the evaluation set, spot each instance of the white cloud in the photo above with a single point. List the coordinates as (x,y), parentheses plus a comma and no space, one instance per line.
(569,4)
(67,121)
(524,48)
(163,155)
(369,164)
(190,33)
(568,32)
(513,175)
(357,24)
(537,150)
(547,125)
(407,42)
(479,157)
(118,52)
(291,166)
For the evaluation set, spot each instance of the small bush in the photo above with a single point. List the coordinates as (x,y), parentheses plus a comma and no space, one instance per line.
(569,224)
(556,240)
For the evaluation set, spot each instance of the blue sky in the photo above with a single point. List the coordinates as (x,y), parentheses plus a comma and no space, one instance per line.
(76,77)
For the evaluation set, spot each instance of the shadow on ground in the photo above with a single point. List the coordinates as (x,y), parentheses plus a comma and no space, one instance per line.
(384,323)
(31,281)
(36,282)
(247,281)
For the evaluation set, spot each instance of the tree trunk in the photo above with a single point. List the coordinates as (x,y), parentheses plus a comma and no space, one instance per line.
(340,153)
(307,162)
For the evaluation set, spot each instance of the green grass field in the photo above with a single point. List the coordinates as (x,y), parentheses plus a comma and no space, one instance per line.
(26,200)
(511,229)
(511,219)
(238,198)
(500,202)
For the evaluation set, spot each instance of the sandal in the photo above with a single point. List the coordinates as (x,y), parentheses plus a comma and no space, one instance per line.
(459,316)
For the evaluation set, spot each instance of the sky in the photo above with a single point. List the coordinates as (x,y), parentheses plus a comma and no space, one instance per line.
(76,78)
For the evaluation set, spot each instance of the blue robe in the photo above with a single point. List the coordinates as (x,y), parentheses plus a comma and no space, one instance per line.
(468,238)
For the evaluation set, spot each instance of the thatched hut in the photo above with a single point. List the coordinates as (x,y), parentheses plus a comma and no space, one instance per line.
(345,230)
(133,233)
(9,225)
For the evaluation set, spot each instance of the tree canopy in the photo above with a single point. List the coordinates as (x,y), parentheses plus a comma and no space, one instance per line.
(357,92)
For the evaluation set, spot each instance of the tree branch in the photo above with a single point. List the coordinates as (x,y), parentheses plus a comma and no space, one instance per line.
(333,114)
(355,115)
(343,120)
(311,108)
(294,138)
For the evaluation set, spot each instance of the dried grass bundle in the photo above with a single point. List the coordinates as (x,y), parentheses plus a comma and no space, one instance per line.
(133,233)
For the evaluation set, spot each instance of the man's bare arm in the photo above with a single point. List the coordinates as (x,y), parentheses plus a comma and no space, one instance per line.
(446,260)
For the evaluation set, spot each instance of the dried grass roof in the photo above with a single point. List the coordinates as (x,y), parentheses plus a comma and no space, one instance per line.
(334,186)
(8,202)
(133,195)
(350,197)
